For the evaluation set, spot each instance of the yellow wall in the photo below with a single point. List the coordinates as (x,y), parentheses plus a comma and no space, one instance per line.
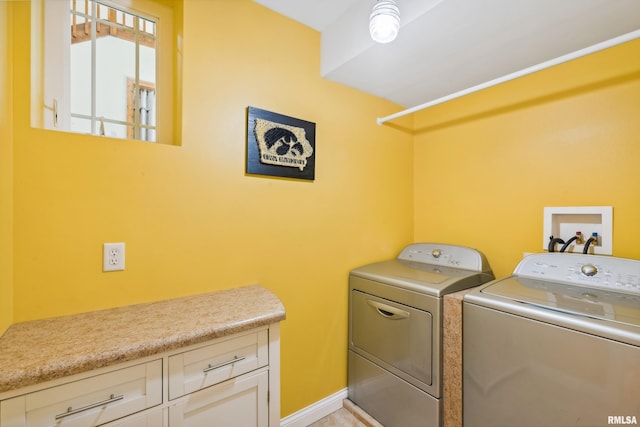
(6,173)
(487,164)
(191,219)
(483,168)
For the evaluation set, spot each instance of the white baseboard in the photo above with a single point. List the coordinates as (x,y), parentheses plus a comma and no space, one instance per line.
(314,412)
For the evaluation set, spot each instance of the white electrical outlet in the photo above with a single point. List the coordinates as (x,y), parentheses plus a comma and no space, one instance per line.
(113,257)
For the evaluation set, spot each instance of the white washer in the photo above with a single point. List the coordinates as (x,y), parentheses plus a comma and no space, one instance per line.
(395,333)
(555,344)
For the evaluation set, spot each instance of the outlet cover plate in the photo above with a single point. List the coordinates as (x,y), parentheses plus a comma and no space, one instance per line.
(113,257)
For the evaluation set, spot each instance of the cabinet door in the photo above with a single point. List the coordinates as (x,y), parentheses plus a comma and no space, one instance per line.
(242,401)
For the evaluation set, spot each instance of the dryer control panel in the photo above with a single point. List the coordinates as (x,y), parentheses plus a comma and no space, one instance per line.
(445,255)
(619,274)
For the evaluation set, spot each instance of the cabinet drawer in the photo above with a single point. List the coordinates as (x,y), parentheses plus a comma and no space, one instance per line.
(202,367)
(87,402)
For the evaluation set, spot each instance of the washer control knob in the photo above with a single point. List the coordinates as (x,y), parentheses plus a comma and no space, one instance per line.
(589,270)
(436,253)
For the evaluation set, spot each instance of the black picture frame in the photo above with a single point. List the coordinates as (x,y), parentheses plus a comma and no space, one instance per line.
(279,145)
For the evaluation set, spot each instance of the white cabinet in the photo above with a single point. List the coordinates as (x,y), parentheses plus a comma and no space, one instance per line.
(222,384)
(229,381)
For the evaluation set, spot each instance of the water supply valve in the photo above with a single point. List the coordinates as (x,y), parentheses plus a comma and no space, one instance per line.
(579,240)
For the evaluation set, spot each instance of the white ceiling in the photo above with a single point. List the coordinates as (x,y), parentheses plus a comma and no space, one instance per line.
(445,46)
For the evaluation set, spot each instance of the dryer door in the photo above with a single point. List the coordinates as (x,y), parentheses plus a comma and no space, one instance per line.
(394,335)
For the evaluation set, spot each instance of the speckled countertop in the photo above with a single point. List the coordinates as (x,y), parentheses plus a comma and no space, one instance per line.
(452,358)
(42,350)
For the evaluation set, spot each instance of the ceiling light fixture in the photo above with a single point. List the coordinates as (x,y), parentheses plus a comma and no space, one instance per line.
(384,21)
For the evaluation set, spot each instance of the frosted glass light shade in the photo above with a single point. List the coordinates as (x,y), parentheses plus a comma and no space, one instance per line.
(384,21)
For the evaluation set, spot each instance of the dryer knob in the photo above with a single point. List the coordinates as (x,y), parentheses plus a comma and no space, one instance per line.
(589,270)
(436,253)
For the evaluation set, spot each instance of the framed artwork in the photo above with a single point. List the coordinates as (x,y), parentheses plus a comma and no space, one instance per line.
(279,145)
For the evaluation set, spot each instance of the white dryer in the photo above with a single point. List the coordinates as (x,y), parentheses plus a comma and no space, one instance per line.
(395,330)
(555,344)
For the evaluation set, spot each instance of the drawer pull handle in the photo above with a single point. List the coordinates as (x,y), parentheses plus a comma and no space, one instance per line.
(230,362)
(71,411)
(388,311)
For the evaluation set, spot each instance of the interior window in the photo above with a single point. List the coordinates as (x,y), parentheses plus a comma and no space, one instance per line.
(112,51)
(95,68)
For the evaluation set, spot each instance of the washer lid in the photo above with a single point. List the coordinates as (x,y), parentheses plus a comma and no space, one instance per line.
(568,299)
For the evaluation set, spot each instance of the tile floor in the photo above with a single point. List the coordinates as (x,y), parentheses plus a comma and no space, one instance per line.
(339,418)
(350,415)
